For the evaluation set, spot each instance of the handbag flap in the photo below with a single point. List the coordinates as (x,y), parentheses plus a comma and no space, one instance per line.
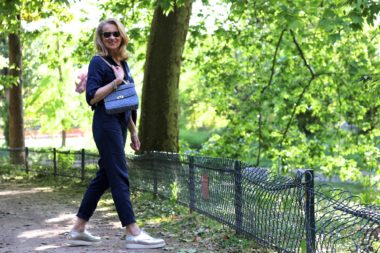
(122,91)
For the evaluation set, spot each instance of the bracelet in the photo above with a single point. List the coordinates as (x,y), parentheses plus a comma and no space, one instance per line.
(114,85)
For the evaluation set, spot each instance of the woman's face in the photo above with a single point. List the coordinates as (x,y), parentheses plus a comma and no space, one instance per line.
(111,37)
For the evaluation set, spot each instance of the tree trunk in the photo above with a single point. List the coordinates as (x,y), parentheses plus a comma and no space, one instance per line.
(16,122)
(63,131)
(63,138)
(158,128)
(6,117)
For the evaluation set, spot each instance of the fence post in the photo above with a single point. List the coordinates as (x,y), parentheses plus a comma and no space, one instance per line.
(309,211)
(191,184)
(26,159)
(82,165)
(55,161)
(155,176)
(238,197)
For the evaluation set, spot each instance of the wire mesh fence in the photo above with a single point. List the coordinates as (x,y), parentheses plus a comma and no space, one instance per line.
(285,213)
(63,163)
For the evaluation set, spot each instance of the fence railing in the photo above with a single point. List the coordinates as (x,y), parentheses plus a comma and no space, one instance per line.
(287,214)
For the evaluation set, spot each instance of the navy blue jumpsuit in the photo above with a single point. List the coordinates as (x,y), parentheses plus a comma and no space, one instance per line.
(110,132)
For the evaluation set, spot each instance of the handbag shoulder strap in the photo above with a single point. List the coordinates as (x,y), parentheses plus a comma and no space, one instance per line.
(109,66)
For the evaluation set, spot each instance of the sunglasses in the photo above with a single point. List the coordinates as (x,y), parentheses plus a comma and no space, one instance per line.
(108,34)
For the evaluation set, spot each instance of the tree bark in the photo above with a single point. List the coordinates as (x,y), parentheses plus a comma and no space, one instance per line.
(16,122)
(4,111)
(158,129)
(63,138)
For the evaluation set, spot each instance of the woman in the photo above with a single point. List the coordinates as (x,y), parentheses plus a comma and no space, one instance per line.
(109,131)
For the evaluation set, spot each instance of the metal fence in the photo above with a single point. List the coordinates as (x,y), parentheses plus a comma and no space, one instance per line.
(62,163)
(287,214)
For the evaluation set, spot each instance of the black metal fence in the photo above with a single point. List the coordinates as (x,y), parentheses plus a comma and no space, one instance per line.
(63,163)
(287,214)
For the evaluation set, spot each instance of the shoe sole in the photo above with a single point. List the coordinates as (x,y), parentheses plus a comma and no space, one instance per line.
(82,243)
(145,246)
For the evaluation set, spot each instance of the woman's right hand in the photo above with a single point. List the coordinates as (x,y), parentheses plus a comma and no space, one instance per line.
(135,142)
(119,74)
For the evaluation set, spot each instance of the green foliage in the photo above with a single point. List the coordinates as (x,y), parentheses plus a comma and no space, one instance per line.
(168,5)
(50,74)
(65,161)
(365,192)
(297,84)
(174,192)
(196,232)
(194,138)
(39,24)
(281,84)
(13,12)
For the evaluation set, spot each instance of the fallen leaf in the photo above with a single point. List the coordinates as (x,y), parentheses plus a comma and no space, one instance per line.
(197,239)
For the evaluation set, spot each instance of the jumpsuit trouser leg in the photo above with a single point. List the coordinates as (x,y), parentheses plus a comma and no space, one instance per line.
(110,136)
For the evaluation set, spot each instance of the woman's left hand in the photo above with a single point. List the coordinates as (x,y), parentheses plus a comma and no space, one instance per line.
(119,74)
(135,144)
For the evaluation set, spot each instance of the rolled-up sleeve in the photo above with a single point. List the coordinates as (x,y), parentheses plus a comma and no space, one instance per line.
(94,78)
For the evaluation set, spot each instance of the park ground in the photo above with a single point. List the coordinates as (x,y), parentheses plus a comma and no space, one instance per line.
(35,216)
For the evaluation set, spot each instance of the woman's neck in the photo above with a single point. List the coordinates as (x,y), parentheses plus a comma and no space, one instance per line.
(116,59)
(114,55)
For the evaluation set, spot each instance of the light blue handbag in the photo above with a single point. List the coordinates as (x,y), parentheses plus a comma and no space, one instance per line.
(123,99)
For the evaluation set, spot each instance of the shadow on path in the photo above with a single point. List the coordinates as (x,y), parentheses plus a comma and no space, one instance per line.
(37,219)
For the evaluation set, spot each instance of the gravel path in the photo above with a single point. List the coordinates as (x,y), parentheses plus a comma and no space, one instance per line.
(37,220)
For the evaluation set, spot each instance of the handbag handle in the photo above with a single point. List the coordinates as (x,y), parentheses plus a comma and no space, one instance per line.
(110,66)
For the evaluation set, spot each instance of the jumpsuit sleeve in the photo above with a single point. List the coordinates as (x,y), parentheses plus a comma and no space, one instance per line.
(94,78)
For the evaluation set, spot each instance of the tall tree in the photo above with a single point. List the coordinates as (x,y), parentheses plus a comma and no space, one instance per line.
(16,121)
(10,20)
(30,11)
(158,127)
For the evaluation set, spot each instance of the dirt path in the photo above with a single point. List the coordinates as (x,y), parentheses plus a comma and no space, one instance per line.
(36,219)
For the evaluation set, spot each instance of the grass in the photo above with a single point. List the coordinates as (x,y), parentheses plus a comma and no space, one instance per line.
(366,195)
(194,138)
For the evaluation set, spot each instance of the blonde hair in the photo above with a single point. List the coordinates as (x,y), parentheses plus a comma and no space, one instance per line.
(100,47)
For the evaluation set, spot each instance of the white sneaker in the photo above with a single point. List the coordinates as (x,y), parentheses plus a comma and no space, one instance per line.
(84,238)
(143,241)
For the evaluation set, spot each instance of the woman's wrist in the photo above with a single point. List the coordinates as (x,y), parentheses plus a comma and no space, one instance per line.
(114,85)
(118,81)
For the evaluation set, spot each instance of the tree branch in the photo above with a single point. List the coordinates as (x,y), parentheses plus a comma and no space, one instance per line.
(273,63)
(302,55)
(313,76)
(294,110)
(262,93)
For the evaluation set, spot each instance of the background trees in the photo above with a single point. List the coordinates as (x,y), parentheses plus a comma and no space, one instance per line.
(274,83)
(289,79)
(11,21)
